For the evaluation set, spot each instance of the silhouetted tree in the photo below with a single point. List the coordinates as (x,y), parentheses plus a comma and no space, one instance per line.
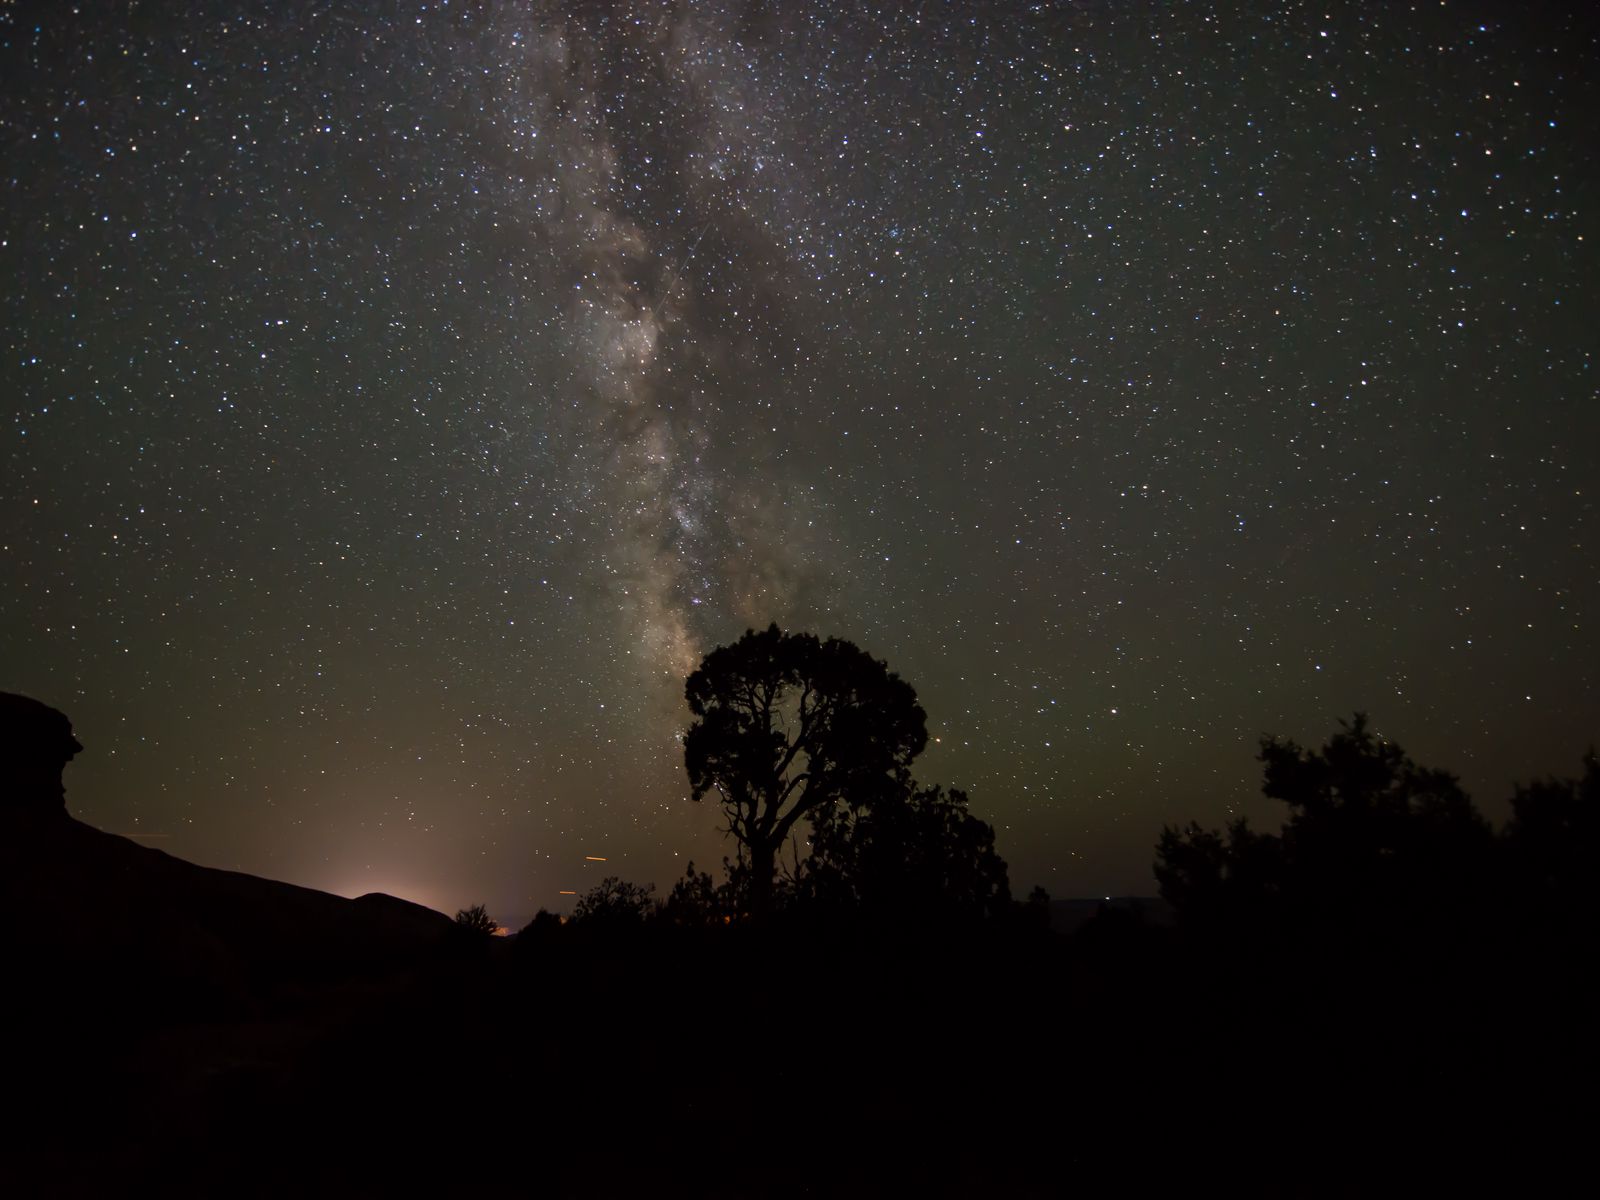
(1035,911)
(785,724)
(1370,832)
(614,903)
(919,856)
(477,919)
(1371,837)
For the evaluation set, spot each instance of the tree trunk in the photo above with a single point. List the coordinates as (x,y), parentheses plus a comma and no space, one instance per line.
(763,865)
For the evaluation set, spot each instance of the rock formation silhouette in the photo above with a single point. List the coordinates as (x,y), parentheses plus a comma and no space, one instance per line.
(36,744)
(93,903)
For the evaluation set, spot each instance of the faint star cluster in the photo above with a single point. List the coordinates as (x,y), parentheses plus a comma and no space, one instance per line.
(400,398)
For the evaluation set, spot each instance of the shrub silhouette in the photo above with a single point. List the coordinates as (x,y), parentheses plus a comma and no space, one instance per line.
(698,901)
(1552,843)
(614,903)
(478,920)
(539,933)
(919,856)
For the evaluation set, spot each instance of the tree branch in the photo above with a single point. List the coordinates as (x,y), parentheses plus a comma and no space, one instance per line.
(793,815)
(803,738)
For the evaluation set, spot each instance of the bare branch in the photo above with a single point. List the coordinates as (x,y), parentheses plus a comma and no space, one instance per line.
(793,815)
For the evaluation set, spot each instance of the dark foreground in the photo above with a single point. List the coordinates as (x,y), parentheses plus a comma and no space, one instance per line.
(223,1036)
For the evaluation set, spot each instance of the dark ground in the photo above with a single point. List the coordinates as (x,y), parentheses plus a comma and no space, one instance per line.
(996,1061)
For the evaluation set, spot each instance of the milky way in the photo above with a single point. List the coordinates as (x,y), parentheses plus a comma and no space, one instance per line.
(401,397)
(660,186)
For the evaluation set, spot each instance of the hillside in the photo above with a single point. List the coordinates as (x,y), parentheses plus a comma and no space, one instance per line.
(89,897)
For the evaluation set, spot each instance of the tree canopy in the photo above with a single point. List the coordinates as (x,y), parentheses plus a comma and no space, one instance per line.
(787,725)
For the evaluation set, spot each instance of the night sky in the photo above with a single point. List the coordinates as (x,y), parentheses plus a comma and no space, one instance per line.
(399,398)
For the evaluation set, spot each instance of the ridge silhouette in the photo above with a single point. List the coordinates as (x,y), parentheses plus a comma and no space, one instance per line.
(200,924)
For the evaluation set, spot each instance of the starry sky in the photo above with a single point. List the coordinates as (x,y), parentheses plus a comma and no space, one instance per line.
(399,398)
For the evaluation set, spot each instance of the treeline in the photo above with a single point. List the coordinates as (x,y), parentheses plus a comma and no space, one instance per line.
(1376,854)
(1380,852)
(807,746)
